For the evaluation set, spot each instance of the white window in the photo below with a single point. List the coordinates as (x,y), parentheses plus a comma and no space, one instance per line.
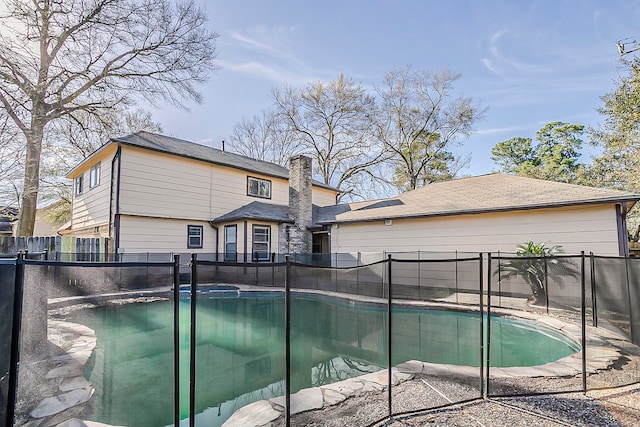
(194,236)
(94,175)
(258,187)
(261,242)
(79,185)
(230,243)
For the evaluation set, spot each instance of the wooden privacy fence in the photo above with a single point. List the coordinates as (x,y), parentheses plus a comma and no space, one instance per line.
(10,245)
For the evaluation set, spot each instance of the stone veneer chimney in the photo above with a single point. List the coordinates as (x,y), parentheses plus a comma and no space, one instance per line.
(300,204)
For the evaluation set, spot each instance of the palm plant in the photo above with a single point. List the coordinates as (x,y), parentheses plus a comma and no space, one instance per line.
(536,263)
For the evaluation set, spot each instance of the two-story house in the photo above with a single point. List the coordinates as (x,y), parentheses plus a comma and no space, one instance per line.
(154,193)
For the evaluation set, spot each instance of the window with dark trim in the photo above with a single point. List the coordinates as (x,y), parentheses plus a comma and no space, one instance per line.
(261,242)
(94,175)
(79,180)
(194,236)
(258,187)
(230,243)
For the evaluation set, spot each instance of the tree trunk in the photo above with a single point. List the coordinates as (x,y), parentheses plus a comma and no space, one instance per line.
(27,217)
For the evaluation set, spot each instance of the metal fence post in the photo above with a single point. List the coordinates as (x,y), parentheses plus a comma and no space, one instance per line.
(287,350)
(176,340)
(499,279)
(457,291)
(389,362)
(546,281)
(594,304)
(488,357)
(419,265)
(16,326)
(584,322)
(632,332)
(192,343)
(481,278)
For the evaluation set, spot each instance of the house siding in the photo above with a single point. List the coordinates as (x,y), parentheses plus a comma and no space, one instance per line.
(162,235)
(91,208)
(588,228)
(323,196)
(167,186)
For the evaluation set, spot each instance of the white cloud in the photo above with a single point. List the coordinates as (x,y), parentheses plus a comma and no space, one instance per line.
(281,75)
(272,53)
(501,130)
(257,45)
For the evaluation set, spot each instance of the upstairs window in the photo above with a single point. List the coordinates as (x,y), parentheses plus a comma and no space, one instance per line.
(258,187)
(79,185)
(94,175)
(194,236)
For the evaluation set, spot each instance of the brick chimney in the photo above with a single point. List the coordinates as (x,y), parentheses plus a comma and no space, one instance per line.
(300,204)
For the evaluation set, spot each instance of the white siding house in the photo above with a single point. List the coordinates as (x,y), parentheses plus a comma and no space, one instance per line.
(487,213)
(153,193)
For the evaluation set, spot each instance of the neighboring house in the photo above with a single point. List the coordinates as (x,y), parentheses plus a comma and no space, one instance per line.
(8,216)
(153,193)
(44,225)
(486,213)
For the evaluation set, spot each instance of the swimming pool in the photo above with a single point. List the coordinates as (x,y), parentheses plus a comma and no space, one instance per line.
(240,349)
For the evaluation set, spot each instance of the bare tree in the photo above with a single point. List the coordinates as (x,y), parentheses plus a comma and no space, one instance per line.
(58,58)
(11,161)
(265,137)
(332,122)
(419,119)
(70,139)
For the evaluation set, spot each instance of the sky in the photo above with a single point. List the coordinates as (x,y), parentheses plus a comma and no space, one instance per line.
(528,62)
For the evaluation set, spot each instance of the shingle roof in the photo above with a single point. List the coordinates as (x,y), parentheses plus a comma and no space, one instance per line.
(257,211)
(8,213)
(485,193)
(183,148)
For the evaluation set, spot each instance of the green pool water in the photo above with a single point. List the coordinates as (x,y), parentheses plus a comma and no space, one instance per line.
(240,353)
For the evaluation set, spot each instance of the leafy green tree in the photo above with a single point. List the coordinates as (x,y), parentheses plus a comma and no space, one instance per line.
(514,155)
(424,163)
(619,136)
(554,156)
(535,263)
(558,149)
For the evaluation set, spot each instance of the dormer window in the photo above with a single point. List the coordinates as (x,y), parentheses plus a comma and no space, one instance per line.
(258,187)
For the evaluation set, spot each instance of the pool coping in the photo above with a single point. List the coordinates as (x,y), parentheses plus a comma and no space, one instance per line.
(263,412)
(70,391)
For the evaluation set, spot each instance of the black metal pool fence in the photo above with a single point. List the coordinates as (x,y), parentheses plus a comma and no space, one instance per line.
(42,355)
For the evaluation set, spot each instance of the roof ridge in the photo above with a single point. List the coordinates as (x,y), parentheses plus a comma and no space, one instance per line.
(199,145)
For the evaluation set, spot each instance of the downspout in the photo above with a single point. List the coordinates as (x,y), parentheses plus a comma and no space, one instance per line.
(328,228)
(117,213)
(621,221)
(116,178)
(217,237)
(246,241)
